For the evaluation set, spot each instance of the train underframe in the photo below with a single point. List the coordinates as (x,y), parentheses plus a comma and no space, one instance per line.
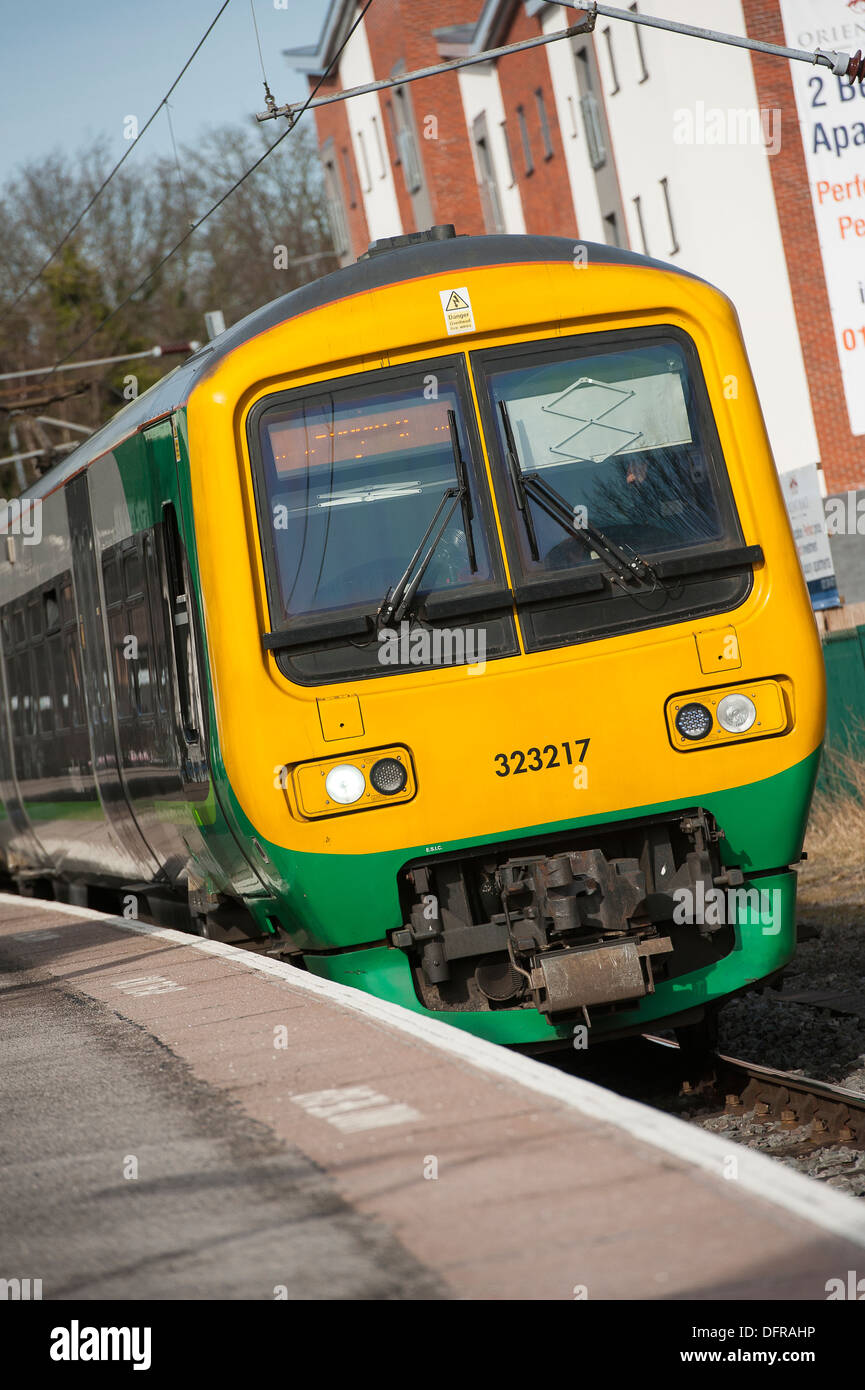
(577,926)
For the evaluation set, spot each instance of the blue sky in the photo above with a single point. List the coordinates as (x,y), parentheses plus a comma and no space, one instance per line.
(73,69)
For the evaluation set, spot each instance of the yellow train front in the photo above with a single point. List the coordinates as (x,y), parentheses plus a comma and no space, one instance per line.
(516,683)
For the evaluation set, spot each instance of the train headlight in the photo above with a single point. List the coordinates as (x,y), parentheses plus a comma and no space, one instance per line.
(736,713)
(388,776)
(693,721)
(345,784)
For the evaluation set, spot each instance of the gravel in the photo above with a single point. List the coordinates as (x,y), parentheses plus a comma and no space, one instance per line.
(774,1030)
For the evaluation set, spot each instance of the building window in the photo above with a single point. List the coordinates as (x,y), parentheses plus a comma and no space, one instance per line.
(592,119)
(545,125)
(638,208)
(598,143)
(394,133)
(487,181)
(640,54)
(379,146)
(674,239)
(594,130)
(349,177)
(612,57)
(512,176)
(524,137)
(363,163)
(336,209)
(405,141)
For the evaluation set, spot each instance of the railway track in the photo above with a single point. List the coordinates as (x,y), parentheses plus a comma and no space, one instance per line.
(781,1101)
(816,1126)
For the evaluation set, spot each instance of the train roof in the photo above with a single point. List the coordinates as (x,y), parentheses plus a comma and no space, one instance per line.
(387,262)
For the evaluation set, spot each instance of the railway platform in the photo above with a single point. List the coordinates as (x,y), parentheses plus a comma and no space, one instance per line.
(184,1119)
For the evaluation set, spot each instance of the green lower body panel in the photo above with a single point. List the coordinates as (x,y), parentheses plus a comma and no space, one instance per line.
(336,905)
(333,901)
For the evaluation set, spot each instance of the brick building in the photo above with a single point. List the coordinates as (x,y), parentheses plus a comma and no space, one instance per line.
(738,167)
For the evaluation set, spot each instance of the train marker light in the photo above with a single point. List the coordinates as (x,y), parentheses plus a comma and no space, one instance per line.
(736,713)
(388,776)
(345,784)
(693,721)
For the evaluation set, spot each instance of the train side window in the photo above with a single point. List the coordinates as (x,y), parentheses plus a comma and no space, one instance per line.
(17,678)
(138,628)
(44,692)
(160,674)
(117,636)
(18,626)
(34,620)
(50,610)
(67,601)
(133,572)
(62,711)
(180,613)
(77,699)
(111,580)
(28,702)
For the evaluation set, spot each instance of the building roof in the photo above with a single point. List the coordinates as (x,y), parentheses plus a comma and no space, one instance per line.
(315,58)
(455,33)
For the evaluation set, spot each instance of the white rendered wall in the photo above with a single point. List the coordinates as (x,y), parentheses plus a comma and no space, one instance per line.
(567,94)
(723,204)
(379,195)
(481,92)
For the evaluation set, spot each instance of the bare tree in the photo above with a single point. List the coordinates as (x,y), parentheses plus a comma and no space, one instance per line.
(254,247)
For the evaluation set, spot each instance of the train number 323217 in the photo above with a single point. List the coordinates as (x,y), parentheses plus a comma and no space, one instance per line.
(540,759)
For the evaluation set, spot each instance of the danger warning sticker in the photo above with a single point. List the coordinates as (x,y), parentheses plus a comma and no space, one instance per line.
(457,311)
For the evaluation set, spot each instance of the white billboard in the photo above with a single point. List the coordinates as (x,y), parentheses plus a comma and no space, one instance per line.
(832,122)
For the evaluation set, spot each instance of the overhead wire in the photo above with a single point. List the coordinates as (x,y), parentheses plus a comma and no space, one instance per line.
(293,120)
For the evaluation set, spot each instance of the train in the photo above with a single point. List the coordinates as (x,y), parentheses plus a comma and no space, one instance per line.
(438,628)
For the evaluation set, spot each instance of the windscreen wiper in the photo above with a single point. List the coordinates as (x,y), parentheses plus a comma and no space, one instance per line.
(516,473)
(397,602)
(626,567)
(465,491)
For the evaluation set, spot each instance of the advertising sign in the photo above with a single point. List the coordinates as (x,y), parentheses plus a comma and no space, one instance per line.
(832,122)
(805,509)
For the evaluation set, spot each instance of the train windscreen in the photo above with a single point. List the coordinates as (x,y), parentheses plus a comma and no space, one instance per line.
(354,476)
(618,435)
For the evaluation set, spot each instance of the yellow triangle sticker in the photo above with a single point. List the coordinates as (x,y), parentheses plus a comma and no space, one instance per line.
(457,309)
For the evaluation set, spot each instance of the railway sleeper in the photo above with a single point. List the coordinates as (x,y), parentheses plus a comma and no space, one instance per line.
(828,1121)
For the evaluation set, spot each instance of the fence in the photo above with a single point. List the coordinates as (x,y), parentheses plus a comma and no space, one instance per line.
(843,633)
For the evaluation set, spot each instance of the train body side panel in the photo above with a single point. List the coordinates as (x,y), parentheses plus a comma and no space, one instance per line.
(58,823)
